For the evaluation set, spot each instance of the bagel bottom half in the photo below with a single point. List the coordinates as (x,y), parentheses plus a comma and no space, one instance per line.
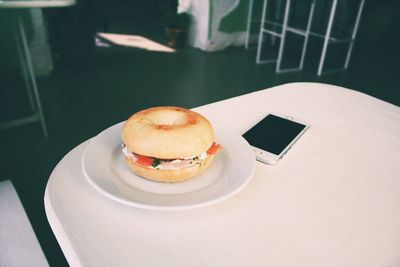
(169,176)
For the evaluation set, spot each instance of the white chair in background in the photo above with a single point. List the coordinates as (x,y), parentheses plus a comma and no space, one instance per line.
(26,59)
(29,76)
(281,29)
(284,28)
(328,39)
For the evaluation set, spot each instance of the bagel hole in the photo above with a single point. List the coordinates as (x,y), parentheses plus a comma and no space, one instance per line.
(170,118)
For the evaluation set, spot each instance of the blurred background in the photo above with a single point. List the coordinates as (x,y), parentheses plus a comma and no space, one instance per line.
(88,81)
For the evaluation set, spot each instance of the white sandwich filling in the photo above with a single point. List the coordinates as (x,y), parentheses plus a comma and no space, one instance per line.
(166,164)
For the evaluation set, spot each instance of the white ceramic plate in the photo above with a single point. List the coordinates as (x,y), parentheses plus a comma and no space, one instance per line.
(104,167)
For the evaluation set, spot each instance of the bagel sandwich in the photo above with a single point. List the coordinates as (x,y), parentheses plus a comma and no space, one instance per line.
(168,144)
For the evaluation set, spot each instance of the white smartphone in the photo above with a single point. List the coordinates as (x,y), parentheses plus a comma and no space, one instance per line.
(273,136)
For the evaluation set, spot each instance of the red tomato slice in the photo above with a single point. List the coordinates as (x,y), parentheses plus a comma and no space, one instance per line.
(144,160)
(213,149)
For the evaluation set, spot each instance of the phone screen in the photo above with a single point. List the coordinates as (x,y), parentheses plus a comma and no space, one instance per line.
(273,133)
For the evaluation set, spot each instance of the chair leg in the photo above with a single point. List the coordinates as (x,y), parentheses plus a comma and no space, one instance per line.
(31,73)
(327,37)
(25,71)
(284,29)
(248,27)
(261,34)
(307,33)
(354,34)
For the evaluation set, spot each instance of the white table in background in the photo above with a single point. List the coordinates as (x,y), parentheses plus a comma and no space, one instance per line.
(334,200)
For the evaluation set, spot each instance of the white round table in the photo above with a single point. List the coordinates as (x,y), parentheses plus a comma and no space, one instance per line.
(333,200)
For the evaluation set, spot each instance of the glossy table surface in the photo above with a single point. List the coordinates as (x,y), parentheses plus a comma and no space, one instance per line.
(333,200)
